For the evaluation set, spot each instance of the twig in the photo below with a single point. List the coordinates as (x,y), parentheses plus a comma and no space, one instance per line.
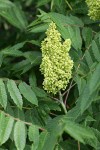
(68,92)
(53,114)
(62,103)
(28,108)
(68,89)
(79,148)
(54,98)
(70,86)
(68,5)
(17,119)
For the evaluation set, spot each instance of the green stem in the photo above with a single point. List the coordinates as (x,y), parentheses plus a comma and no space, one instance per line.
(62,103)
(68,5)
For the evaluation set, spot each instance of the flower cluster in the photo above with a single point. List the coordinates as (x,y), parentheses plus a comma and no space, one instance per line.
(56,63)
(94,9)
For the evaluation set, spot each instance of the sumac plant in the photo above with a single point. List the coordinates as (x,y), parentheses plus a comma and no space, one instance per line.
(50,75)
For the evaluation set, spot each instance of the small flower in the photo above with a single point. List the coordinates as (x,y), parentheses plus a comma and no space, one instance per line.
(94,9)
(56,63)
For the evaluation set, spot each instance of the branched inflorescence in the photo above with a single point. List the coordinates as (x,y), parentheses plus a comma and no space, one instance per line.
(94,9)
(56,63)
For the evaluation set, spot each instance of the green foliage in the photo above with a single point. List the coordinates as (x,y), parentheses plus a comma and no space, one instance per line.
(13,14)
(34,136)
(6,124)
(3,95)
(28,93)
(14,93)
(19,135)
(30,118)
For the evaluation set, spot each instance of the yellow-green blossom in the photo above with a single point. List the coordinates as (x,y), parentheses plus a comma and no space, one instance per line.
(56,63)
(94,9)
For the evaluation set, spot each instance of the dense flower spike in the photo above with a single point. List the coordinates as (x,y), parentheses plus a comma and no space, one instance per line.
(56,63)
(94,9)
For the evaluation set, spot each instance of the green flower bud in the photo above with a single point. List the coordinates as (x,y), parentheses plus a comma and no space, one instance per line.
(94,9)
(56,63)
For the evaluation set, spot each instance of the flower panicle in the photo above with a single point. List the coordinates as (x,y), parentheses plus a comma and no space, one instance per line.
(56,63)
(94,9)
